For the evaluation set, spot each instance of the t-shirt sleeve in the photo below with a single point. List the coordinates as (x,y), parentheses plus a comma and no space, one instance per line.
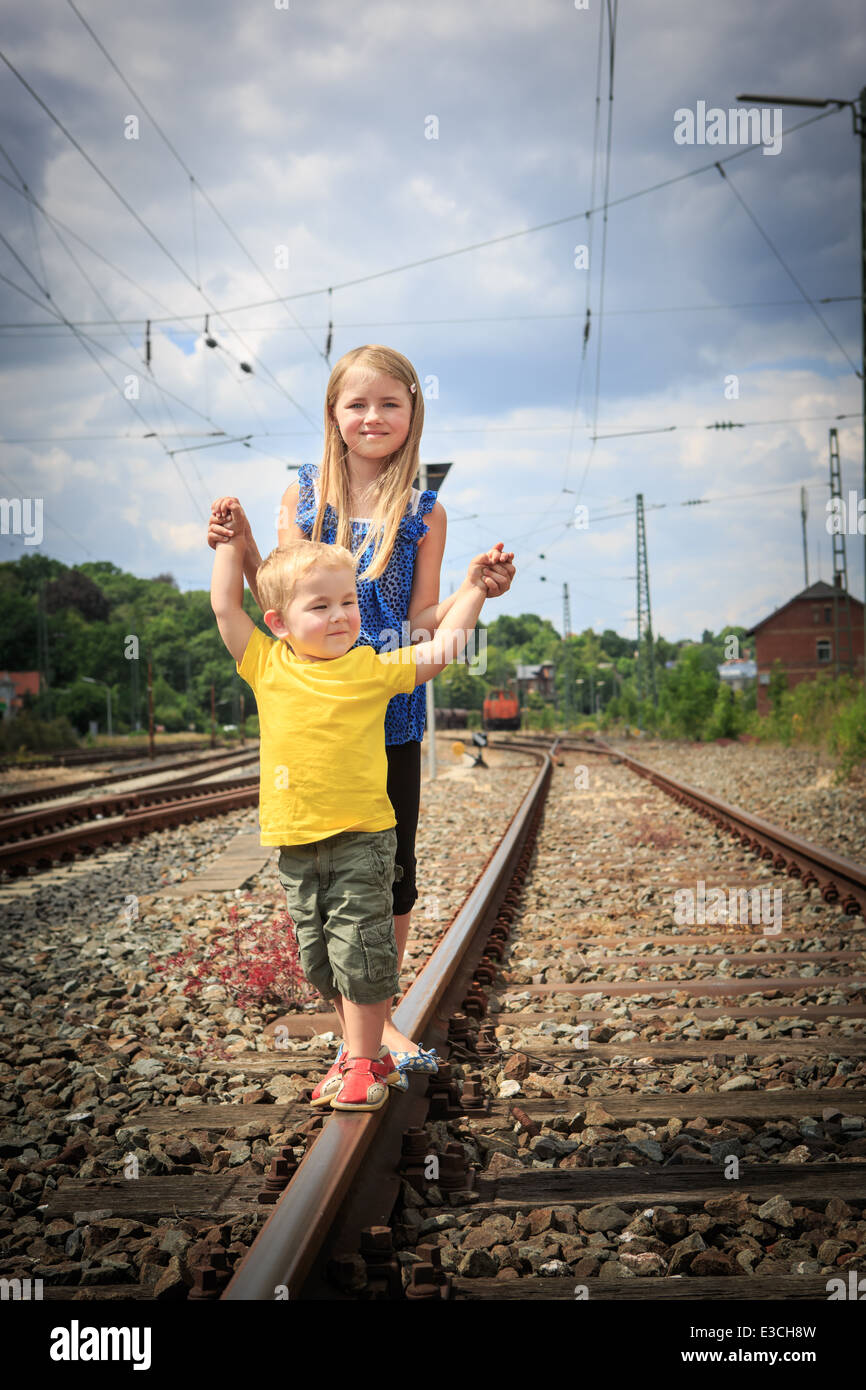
(397,670)
(251,667)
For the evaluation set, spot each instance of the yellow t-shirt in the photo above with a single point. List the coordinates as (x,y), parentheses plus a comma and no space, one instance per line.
(323,763)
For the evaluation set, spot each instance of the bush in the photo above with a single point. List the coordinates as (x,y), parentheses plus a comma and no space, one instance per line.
(847,736)
(727,719)
(27,734)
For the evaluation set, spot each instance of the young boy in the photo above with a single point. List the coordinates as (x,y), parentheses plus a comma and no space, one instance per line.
(323,795)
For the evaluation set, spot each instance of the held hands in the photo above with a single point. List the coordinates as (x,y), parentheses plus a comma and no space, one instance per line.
(492,571)
(227,520)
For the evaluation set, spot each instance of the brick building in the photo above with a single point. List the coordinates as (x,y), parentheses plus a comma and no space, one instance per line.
(13,686)
(801,634)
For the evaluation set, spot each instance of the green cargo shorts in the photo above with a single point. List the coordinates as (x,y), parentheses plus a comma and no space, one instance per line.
(340,897)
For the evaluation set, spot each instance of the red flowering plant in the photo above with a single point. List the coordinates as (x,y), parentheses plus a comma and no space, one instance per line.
(255,961)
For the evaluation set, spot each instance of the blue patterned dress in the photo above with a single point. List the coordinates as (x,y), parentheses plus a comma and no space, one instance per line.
(384,602)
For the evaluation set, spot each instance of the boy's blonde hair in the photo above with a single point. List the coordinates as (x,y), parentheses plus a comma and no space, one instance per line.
(393,486)
(280,573)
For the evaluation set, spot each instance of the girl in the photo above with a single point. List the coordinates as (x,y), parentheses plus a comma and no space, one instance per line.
(361,496)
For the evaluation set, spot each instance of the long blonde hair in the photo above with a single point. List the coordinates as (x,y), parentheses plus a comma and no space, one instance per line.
(393,487)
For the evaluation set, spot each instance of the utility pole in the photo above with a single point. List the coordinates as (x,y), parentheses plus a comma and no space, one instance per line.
(43,660)
(212,715)
(150,747)
(804,512)
(646,669)
(840,568)
(566,680)
(858,114)
(431,475)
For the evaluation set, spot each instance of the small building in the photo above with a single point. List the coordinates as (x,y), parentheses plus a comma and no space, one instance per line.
(536,678)
(739,673)
(802,636)
(14,685)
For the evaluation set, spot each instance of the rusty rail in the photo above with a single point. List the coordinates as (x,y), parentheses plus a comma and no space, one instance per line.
(840,880)
(290,1241)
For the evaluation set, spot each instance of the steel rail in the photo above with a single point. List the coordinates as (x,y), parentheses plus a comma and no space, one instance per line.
(64,844)
(290,1240)
(840,880)
(29,824)
(58,791)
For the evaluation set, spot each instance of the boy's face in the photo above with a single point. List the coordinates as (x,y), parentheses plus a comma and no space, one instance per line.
(323,619)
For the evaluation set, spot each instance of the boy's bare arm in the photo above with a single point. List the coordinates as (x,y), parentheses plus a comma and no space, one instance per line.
(226,596)
(499,573)
(451,636)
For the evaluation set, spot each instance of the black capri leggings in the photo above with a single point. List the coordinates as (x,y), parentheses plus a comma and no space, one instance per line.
(404,793)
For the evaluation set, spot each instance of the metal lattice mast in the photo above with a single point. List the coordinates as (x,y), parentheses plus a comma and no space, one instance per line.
(646,670)
(567,677)
(842,634)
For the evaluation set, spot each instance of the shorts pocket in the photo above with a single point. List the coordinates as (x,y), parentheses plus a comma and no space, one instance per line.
(379,949)
(382,863)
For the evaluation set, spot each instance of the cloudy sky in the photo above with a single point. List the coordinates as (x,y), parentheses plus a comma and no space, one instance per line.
(296,158)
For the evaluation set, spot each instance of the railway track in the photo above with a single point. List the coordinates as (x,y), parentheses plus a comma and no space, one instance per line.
(631,1108)
(180,770)
(66,828)
(76,757)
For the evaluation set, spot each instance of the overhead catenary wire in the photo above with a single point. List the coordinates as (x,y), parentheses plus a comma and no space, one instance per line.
(854,416)
(145,228)
(471,319)
(789,272)
(194,183)
(224,311)
(82,338)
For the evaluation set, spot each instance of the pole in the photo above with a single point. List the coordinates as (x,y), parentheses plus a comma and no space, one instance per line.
(212,715)
(243,702)
(803,513)
(150,748)
(860,129)
(431,709)
(108,710)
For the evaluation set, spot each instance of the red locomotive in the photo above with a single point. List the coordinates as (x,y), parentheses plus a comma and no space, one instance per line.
(501,710)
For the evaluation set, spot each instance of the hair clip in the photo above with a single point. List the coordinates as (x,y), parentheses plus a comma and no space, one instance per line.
(412,388)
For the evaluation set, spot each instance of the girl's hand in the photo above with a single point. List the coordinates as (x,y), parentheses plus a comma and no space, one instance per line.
(227,520)
(492,570)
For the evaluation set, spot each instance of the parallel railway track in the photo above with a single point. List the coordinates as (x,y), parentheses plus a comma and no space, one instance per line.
(359,1216)
(66,828)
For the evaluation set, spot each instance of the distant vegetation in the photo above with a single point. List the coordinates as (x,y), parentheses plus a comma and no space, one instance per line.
(78,621)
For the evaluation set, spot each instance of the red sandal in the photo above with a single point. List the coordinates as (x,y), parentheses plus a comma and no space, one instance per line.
(365,1085)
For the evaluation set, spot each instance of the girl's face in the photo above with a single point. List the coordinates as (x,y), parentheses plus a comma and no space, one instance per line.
(373,413)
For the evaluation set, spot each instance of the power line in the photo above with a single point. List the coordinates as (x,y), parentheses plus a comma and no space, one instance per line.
(82,338)
(140,221)
(194,183)
(424,323)
(788,271)
(57,524)
(481,429)
(490,241)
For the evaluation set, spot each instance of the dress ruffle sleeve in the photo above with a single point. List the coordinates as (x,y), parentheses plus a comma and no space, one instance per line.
(305,514)
(415,526)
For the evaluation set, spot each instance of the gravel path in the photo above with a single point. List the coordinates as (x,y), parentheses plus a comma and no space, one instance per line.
(791,787)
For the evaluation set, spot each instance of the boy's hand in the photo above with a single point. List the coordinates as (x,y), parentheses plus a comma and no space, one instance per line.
(227,520)
(492,571)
